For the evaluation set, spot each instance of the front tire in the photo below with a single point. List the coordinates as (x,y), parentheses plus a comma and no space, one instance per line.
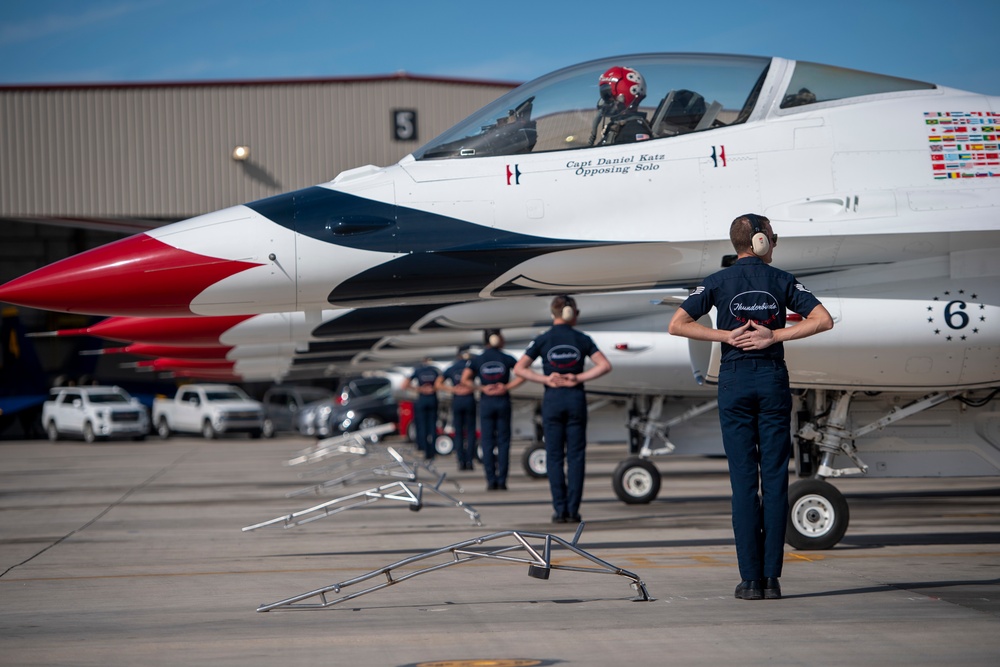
(208,431)
(533,461)
(444,444)
(51,431)
(88,433)
(818,515)
(636,481)
(163,428)
(268,430)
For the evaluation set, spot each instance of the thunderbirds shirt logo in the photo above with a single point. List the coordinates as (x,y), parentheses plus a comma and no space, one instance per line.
(492,372)
(563,356)
(754,305)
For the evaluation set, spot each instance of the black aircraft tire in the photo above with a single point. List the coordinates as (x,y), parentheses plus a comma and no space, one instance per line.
(818,515)
(533,461)
(636,481)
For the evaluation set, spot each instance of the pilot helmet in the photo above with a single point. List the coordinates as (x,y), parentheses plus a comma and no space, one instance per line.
(624,85)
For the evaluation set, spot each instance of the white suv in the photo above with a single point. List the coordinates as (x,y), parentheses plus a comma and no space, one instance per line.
(94,412)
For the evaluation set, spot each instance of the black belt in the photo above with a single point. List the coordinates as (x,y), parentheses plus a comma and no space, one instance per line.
(752,363)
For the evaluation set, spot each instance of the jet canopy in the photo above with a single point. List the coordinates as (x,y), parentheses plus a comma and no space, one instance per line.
(685,93)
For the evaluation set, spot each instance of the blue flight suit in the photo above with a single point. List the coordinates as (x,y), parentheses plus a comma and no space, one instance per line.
(755,405)
(463,417)
(494,367)
(563,349)
(425,410)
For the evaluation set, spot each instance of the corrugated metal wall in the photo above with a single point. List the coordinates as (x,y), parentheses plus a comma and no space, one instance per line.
(165,151)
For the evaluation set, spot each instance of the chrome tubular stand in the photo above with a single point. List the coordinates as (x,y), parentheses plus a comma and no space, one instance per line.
(537,558)
(355,442)
(407,492)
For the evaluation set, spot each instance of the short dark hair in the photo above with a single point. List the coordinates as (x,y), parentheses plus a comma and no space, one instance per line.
(562,302)
(741,232)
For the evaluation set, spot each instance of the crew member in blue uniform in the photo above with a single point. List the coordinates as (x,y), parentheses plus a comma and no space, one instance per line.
(564,351)
(755,402)
(492,370)
(463,408)
(425,410)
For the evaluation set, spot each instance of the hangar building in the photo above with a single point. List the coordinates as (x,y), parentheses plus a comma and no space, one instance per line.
(83,165)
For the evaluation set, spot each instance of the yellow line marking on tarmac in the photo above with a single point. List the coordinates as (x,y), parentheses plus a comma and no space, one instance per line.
(692,560)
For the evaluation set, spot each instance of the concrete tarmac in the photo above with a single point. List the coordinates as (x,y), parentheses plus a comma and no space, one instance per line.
(129,553)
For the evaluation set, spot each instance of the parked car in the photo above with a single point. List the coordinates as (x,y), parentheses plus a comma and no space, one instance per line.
(209,409)
(358,403)
(94,413)
(283,403)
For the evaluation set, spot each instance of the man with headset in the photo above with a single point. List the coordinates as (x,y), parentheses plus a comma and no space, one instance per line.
(755,402)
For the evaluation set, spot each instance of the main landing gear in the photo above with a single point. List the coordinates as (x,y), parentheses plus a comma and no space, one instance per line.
(818,513)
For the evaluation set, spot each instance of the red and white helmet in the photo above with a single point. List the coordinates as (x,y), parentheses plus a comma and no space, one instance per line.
(624,85)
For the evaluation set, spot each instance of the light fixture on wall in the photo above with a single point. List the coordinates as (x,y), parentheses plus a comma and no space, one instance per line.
(241,153)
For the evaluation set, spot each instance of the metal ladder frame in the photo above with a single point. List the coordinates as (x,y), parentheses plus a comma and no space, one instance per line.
(401,491)
(398,467)
(538,559)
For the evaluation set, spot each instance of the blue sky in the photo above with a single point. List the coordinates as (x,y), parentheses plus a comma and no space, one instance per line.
(62,41)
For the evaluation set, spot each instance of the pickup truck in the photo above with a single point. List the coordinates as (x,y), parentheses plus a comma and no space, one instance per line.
(209,409)
(94,413)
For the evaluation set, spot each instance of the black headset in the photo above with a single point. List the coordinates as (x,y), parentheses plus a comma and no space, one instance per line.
(760,242)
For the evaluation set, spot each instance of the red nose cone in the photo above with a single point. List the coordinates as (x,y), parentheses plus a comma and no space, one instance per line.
(203,331)
(175,351)
(165,364)
(138,275)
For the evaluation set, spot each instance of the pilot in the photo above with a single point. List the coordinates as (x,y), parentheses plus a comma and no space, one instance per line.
(755,403)
(463,407)
(804,96)
(622,89)
(425,410)
(492,370)
(564,351)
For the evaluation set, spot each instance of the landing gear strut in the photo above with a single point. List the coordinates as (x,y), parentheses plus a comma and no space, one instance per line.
(818,513)
(636,480)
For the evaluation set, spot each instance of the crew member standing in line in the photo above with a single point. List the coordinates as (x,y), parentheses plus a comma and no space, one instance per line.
(755,402)
(492,370)
(463,408)
(564,351)
(425,410)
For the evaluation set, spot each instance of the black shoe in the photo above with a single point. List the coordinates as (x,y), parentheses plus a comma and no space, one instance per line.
(575,518)
(558,518)
(491,486)
(772,589)
(749,590)
(501,486)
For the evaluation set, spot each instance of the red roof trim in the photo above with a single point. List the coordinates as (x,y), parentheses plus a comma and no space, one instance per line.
(398,76)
